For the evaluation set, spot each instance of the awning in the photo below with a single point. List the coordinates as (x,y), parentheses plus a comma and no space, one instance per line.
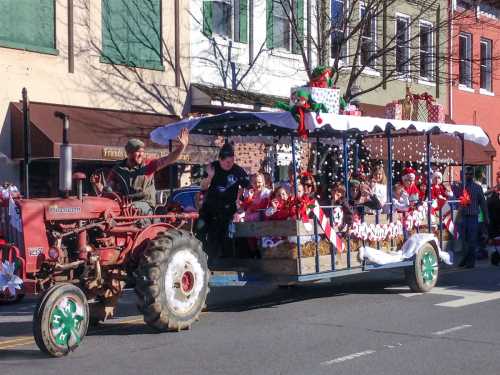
(95,134)
(215,99)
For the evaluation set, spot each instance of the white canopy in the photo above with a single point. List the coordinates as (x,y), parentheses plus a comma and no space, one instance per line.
(370,124)
(283,123)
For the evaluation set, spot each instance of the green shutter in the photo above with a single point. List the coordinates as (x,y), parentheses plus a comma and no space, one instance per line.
(131,33)
(243,21)
(269,21)
(28,24)
(207,18)
(299,15)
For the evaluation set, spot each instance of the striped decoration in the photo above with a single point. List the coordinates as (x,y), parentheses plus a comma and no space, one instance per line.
(330,233)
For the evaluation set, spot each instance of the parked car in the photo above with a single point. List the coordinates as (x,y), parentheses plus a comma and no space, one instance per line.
(187,198)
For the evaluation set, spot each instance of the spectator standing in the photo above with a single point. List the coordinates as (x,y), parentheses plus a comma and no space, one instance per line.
(474,201)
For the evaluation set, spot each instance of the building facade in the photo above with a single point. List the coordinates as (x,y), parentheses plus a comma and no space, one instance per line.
(117,67)
(475,89)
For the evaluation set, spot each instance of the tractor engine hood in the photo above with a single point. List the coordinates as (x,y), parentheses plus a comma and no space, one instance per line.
(72,208)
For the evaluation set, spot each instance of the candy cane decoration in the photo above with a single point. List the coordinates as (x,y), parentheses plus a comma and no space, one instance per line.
(448,220)
(330,233)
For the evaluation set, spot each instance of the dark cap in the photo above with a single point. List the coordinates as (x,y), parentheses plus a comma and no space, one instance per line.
(469,170)
(133,145)
(226,151)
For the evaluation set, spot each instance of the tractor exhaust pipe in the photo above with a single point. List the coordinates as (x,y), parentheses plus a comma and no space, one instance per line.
(65,158)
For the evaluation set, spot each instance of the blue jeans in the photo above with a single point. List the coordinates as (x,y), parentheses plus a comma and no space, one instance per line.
(470,238)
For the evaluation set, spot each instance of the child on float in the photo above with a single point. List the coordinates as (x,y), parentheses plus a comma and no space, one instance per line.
(439,193)
(280,205)
(409,185)
(255,200)
(379,184)
(400,199)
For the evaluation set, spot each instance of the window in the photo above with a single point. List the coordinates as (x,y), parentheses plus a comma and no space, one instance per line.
(281,26)
(368,38)
(485,76)
(28,25)
(339,41)
(402,45)
(280,33)
(228,18)
(465,4)
(426,55)
(465,56)
(131,33)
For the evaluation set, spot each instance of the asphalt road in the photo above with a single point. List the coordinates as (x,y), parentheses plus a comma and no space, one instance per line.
(363,325)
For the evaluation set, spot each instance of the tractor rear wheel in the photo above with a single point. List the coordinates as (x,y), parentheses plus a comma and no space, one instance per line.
(172,281)
(61,319)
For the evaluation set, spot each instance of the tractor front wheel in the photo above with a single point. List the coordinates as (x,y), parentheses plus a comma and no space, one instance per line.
(61,319)
(172,281)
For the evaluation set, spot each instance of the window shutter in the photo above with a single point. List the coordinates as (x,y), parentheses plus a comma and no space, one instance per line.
(28,24)
(299,16)
(207,18)
(269,31)
(243,21)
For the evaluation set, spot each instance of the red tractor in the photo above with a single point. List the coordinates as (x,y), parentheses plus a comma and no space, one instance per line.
(77,252)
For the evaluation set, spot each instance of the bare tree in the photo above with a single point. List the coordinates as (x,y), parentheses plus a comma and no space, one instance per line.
(124,80)
(360,38)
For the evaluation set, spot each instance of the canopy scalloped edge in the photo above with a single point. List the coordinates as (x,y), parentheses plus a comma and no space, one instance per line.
(330,125)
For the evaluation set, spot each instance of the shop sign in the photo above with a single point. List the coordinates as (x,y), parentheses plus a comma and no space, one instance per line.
(118,153)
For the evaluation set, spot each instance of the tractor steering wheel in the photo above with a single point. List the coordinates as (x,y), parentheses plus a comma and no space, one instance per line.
(101,182)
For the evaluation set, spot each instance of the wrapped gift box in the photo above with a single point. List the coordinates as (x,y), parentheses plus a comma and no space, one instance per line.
(436,113)
(352,113)
(420,110)
(329,97)
(394,111)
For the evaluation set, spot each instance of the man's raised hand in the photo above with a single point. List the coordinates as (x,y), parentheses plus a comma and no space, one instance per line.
(183,137)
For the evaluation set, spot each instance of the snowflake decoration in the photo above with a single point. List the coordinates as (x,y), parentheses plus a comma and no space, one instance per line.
(8,280)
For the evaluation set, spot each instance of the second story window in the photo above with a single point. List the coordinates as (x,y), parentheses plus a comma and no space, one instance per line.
(131,33)
(426,56)
(368,37)
(402,45)
(28,25)
(227,18)
(485,76)
(339,41)
(281,33)
(465,56)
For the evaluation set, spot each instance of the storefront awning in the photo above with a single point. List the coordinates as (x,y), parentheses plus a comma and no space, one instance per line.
(95,134)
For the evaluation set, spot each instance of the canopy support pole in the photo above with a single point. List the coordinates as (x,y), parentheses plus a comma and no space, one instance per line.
(428,161)
(345,157)
(389,171)
(462,160)
(295,183)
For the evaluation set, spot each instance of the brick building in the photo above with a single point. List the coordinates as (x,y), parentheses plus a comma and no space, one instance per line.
(475,92)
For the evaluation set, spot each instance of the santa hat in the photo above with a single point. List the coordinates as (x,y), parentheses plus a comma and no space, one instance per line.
(409,173)
(437,174)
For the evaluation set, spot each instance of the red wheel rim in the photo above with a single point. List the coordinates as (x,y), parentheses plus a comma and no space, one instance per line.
(187,282)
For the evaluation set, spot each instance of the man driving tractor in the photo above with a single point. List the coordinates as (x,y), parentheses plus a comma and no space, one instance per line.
(133,177)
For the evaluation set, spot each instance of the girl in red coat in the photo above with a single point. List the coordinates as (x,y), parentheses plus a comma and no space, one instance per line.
(439,193)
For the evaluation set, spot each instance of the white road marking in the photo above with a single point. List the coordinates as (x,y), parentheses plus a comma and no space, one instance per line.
(347,357)
(467,296)
(453,329)
(471,300)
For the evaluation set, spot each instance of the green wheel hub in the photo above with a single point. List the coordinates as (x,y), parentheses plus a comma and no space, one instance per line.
(429,266)
(66,322)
